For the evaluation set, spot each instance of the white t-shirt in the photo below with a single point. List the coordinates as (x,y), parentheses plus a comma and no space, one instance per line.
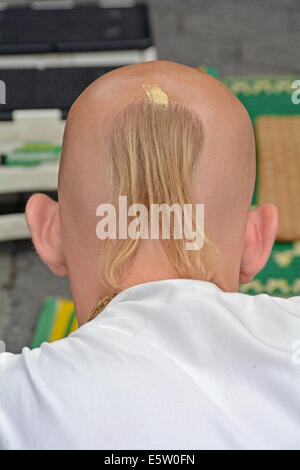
(174,364)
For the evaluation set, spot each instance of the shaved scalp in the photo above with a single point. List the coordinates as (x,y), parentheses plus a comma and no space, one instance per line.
(156,132)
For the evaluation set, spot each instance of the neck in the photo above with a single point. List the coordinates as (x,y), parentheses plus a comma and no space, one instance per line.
(145,267)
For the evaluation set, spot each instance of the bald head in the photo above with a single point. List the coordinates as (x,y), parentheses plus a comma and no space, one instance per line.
(197,139)
(224,177)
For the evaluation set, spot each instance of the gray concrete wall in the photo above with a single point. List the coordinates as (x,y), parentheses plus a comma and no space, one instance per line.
(239,37)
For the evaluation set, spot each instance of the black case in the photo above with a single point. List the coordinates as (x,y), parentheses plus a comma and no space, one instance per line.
(87,27)
(55,88)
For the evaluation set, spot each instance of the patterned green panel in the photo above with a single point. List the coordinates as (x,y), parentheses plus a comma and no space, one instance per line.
(281,276)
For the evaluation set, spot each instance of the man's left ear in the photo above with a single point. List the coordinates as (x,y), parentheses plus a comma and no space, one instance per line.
(42,218)
(261,229)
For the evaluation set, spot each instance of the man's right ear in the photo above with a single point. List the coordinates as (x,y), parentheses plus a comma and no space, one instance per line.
(42,218)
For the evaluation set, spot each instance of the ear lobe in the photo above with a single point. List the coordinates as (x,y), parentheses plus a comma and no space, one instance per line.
(44,225)
(261,229)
